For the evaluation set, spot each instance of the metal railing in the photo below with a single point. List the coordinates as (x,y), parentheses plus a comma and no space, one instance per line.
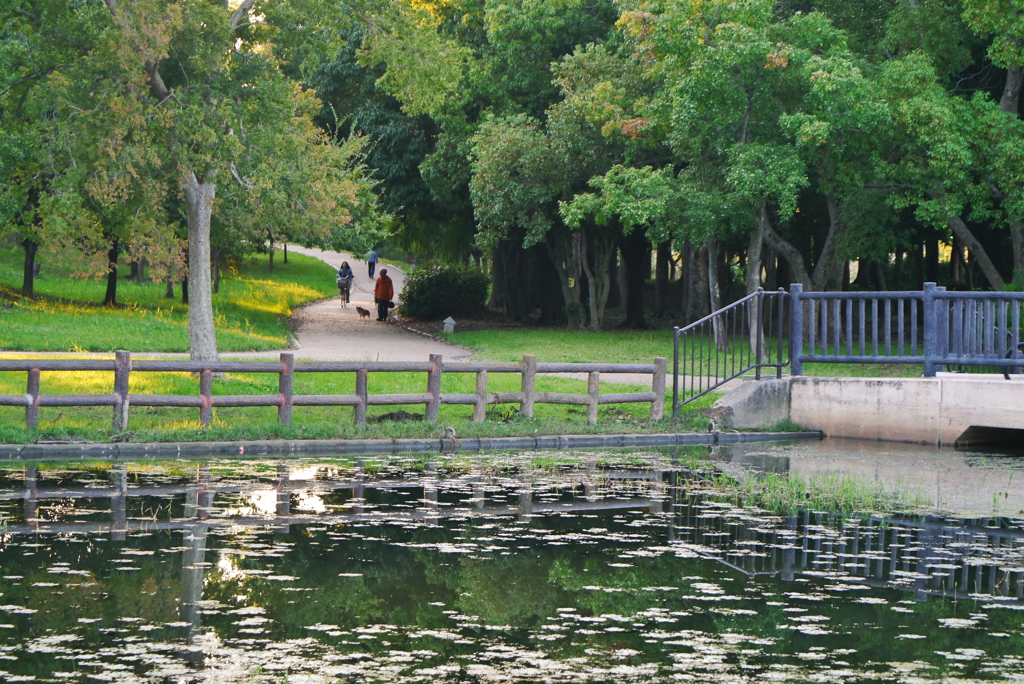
(286,398)
(745,336)
(938,329)
(933,327)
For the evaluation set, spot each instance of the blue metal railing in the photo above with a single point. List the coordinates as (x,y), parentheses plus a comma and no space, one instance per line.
(938,329)
(745,336)
(933,327)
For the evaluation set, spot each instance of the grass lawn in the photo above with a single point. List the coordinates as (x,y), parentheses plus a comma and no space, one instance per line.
(251,309)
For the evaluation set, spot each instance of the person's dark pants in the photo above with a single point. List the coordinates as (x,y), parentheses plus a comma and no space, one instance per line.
(373,267)
(382,309)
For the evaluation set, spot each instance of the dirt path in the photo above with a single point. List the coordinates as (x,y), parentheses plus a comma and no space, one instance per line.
(328,331)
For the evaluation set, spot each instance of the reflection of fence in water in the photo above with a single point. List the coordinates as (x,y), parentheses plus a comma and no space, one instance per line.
(972,558)
(627,488)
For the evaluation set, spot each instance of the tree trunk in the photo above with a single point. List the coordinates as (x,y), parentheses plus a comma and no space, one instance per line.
(566,255)
(169,290)
(661,275)
(270,269)
(754,248)
(715,297)
(825,268)
(110,298)
(1017,238)
(790,253)
(284,252)
(978,252)
(1010,100)
(216,269)
(597,248)
(700,305)
(201,335)
(498,284)
(28,276)
(634,256)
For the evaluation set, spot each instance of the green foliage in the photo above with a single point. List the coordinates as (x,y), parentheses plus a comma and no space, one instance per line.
(441,291)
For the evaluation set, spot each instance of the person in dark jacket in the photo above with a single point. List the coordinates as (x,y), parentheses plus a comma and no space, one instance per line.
(383,293)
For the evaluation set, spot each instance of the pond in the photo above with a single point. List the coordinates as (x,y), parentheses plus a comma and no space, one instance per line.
(553,567)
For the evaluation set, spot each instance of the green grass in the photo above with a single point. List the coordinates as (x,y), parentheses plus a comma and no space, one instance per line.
(787,494)
(251,309)
(558,346)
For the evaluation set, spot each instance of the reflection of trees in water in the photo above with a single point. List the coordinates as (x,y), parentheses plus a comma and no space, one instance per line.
(515,549)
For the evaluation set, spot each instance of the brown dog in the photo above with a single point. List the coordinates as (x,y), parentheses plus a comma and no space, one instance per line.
(363,313)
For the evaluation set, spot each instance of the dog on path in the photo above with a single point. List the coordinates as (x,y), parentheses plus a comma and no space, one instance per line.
(363,313)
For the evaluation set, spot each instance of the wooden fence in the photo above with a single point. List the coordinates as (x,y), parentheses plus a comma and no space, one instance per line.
(123,366)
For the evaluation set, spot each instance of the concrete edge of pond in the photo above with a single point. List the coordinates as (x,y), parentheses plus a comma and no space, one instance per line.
(347,447)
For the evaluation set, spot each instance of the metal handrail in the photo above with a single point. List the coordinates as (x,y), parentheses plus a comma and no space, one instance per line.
(743,318)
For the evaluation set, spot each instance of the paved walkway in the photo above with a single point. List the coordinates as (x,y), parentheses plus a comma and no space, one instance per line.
(328,331)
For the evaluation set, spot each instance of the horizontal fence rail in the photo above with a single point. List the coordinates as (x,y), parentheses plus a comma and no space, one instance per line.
(745,336)
(122,366)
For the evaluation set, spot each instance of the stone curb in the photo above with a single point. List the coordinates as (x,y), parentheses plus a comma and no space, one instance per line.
(297,447)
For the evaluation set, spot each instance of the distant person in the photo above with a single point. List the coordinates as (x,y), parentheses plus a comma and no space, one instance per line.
(344,281)
(371,261)
(383,293)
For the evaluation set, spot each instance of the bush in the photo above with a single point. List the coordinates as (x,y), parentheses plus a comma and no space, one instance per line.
(441,291)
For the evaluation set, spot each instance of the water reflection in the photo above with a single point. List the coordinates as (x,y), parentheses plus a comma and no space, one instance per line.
(571,568)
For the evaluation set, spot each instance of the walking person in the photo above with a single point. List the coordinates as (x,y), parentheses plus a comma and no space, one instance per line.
(344,280)
(383,293)
(371,261)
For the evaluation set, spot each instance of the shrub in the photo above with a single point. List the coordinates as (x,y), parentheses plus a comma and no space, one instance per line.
(441,291)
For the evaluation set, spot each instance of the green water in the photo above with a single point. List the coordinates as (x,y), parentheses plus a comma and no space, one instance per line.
(512,568)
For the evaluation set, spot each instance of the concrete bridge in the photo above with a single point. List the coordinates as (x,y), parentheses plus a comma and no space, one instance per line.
(949,409)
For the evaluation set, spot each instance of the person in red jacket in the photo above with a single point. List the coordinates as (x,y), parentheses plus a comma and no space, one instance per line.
(383,293)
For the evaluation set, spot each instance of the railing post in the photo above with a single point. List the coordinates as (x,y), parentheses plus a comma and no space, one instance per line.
(361,394)
(594,394)
(796,329)
(781,294)
(529,381)
(433,389)
(206,392)
(32,390)
(760,332)
(480,408)
(942,322)
(658,387)
(285,387)
(675,373)
(931,331)
(122,367)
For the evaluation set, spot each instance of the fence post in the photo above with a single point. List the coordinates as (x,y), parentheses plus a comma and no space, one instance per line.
(433,389)
(931,332)
(675,373)
(32,390)
(658,387)
(529,381)
(285,387)
(480,408)
(796,329)
(594,394)
(361,394)
(206,392)
(122,367)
